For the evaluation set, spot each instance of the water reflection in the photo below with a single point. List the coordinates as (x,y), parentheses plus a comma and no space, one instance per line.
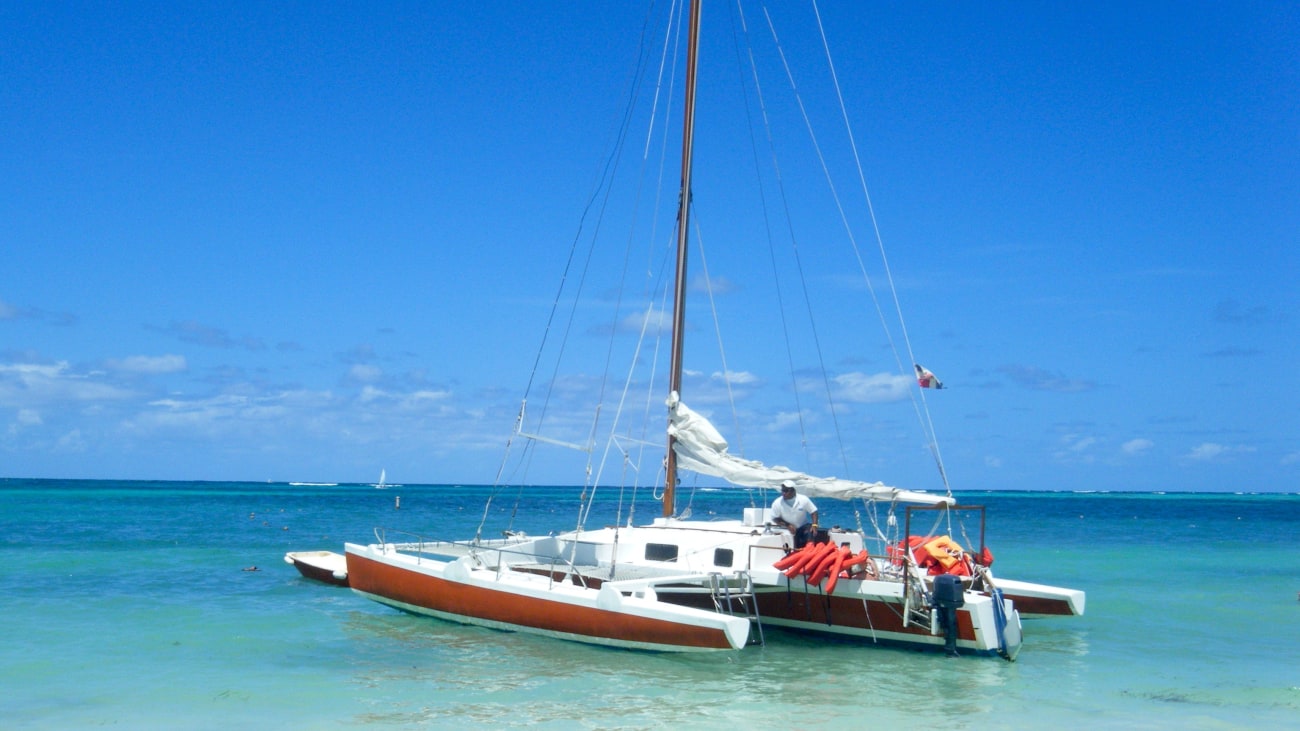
(424,669)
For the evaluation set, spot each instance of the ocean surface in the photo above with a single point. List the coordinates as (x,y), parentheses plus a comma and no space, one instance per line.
(135,605)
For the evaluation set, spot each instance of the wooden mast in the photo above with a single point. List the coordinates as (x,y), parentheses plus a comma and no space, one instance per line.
(683,218)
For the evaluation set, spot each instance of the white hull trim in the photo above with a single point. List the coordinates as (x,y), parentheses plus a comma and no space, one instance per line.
(540,605)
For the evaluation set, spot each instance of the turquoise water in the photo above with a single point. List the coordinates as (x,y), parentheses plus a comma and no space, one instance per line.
(129,604)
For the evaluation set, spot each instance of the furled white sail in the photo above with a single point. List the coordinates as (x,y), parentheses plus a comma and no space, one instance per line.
(700,448)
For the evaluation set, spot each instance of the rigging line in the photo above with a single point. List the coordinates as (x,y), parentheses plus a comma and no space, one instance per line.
(767,222)
(672,37)
(519,494)
(521,469)
(496,481)
(664,293)
(927,423)
(648,319)
(717,329)
(674,33)
(618,411)
(839,436)
(675,11)
(622,490)
(604,184)
(614,330)
(584,513)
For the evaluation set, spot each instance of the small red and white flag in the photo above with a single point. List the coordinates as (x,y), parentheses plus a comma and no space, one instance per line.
(926,378)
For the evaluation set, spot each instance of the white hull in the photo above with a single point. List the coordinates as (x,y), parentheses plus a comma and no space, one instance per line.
(1037,601)
(463,590)
(325,566)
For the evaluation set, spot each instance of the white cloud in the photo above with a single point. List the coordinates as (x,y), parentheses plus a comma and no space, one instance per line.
(1210,451)
(423,399)
(365,373)
(25,419)
(873,389)
(178,412)
(148,364)
(1136,446)
(414,401)
(1206,451)
(653,320)
(25,384)
(783,419)
(1082,444)
(71,442)
(716,285)
(1076,448)
(736,378)
(226,414)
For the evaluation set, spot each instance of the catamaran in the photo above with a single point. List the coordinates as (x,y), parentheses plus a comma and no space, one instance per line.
(909,573)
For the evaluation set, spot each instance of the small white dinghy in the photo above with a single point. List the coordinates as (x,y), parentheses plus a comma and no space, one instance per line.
(326,566)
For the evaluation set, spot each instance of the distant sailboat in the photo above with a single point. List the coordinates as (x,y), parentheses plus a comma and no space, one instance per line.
(383,482)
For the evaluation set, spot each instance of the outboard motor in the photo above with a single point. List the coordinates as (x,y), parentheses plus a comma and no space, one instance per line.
(948,596)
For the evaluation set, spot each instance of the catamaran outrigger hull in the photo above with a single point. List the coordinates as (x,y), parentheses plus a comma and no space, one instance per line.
(460,591)
(869,610)
(862,613)
(1036,601)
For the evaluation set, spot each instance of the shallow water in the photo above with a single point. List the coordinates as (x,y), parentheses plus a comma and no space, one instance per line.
(129,604)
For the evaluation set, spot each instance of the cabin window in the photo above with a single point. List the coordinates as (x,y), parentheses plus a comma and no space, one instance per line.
(723,557)
(660,552)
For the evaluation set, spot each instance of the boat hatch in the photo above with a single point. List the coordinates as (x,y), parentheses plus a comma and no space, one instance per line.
(723,557)
(660,552)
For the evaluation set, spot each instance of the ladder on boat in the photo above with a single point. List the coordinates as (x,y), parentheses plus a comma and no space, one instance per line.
(738,601)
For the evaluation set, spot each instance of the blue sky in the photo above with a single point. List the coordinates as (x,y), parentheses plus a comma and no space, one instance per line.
(297,241)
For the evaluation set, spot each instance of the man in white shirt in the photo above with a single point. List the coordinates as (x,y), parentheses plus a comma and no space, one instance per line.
(795,513)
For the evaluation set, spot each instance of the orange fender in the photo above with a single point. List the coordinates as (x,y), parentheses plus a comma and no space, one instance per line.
(824,565)
(810,567)
(834,580)
(860,557)
(789,559)
(806,555)
(823,551)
